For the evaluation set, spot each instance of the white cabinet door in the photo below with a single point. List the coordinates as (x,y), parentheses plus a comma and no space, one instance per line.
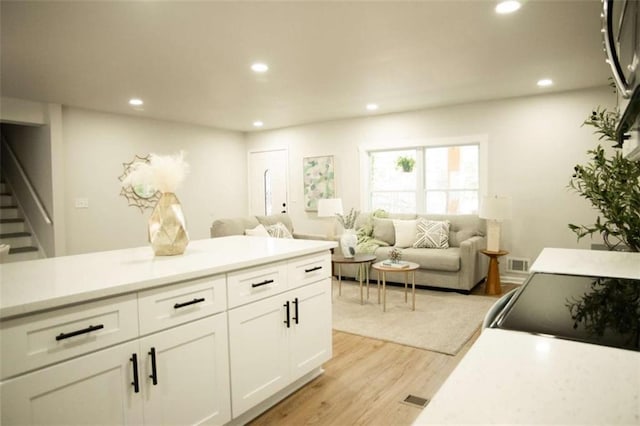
(310,335)
(92,389)
(259,352)
(191,374)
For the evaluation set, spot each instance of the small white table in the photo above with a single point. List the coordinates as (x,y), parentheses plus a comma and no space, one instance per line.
(380,267)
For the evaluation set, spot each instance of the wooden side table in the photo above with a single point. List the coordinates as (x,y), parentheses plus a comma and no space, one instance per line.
(363,261)
(492,285)
(380,267)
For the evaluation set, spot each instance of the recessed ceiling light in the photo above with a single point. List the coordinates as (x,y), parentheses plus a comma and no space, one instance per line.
(258,124)
(545,82)
(508,6)
(259,67)
(372,107)
(135,102)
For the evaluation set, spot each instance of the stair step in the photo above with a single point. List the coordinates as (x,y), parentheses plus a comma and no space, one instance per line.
(6,200)
(11,225)
(17,250)
(9,212)
(16,239)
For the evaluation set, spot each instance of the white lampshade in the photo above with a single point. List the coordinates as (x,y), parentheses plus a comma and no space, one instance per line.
(495,208)
(329,207)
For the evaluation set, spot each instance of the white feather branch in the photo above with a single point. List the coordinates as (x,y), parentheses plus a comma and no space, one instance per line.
(163,172)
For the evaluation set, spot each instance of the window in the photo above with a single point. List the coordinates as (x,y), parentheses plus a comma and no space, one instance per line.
(444,180)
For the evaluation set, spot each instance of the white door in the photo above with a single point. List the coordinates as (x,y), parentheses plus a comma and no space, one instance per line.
(191,374)
(268,182)
(310,344)
(259,352)
(89,390)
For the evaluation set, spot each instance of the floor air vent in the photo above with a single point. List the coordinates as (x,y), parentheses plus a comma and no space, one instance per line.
(416,400)
(515,264)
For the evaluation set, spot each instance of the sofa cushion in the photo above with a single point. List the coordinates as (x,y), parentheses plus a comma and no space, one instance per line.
(279,230)
(232,226)
(432,234)
(258,231)
(462,227)
(277,218)
(438,260)
(405,232)
(384,230)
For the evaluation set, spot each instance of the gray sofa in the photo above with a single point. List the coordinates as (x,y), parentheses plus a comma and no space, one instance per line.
(459,267)
(238,225)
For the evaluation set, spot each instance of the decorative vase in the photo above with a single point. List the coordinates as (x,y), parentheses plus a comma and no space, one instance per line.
(348,242)
(167,228)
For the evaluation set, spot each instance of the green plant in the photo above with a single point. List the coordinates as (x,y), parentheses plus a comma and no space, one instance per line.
(612,184)
(405,164)
(348,221)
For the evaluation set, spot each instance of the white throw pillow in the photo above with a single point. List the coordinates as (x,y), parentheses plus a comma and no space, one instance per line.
(258,231)
(405,232)
(279,230)
(432,234)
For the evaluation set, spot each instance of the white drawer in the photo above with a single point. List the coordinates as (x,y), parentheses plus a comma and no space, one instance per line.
(175,304)
(309,269)
(37,340)
(256,283)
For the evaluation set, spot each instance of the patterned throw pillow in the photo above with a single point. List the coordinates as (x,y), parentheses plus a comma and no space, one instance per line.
(432,234)
(279,230)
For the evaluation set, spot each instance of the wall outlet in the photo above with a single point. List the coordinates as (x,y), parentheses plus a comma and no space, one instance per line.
(82,203)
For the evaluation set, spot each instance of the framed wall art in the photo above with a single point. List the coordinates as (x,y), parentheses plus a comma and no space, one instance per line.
(318,180)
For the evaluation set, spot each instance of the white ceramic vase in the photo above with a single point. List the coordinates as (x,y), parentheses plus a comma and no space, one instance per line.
(348,242)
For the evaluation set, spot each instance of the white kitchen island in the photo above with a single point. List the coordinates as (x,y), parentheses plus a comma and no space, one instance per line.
(511,377)
(213,336)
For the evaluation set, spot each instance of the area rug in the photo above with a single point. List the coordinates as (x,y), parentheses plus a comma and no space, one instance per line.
(442,322)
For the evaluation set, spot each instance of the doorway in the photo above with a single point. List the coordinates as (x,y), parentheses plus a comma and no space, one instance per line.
(268,182)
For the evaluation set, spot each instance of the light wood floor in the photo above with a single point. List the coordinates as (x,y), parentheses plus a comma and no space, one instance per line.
(365,383)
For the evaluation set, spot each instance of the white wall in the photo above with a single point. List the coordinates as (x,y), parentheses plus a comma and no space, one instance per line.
(534,142)
(96,144)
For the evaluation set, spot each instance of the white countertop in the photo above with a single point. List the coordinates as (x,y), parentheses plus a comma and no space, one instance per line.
(509,377)
(595,263)
(512,377)
(49,283)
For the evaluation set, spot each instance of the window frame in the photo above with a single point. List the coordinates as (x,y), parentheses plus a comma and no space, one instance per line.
(365,150)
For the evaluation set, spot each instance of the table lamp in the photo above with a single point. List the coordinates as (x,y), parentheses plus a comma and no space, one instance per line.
(494,209)
(330,207)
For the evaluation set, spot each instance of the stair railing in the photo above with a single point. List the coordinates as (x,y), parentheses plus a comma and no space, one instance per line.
(27,182)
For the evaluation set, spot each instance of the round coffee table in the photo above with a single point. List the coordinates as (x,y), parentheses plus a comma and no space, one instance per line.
(363,261)
(382,268)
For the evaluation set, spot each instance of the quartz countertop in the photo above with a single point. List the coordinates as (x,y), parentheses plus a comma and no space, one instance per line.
(514,377)
(31,286)
(509,377)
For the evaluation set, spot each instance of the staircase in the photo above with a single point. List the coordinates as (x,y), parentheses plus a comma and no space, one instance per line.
(14,231)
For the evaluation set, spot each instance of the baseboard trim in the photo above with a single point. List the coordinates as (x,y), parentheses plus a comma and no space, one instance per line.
(513,279)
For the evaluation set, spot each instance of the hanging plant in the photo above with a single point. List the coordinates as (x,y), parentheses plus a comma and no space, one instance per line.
(405,164)
(612,184)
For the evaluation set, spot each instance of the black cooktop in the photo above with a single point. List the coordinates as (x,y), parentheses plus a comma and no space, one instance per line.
(598,310)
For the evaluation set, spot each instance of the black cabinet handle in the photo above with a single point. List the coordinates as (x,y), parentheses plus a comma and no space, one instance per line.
(313,269)
(287,321)
(154,372)
(295,303)
(89,329)
(192,302)
(265,282)
(136,385)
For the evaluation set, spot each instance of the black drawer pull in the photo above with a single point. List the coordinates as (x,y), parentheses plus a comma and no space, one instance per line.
(192,302)
(313,269)
(295,303)
(265,282)
(135,383)
(288,320)
(89,329)
(154,372)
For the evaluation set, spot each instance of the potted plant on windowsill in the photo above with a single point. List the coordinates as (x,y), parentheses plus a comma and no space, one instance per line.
(405,164)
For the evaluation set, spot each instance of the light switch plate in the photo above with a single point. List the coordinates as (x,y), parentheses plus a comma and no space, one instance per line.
(82,203)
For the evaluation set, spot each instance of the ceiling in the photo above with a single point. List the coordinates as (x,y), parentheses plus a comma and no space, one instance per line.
(190,61)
